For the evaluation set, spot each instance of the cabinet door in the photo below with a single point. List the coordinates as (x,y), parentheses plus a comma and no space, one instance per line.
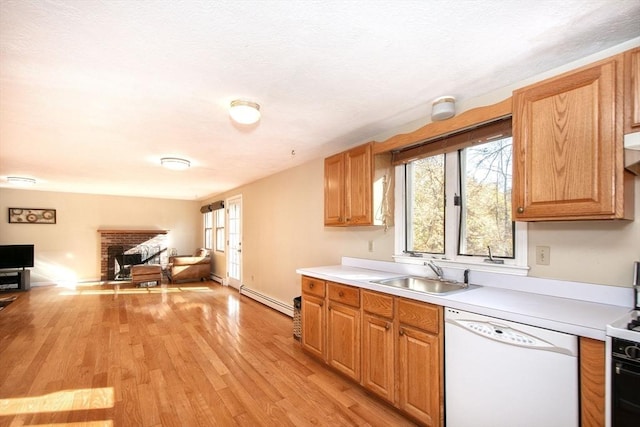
(358,183)
(377,356)
(343,335)
(592,383)
(420,382)
(313,325)
(334,187)
(632,90)
(568,146)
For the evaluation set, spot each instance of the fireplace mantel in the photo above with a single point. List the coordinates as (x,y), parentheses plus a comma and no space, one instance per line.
(108,231)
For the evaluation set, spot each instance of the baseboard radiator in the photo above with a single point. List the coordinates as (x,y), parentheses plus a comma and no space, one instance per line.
(267,300)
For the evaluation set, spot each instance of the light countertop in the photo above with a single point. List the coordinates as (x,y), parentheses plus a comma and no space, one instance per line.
(569,315)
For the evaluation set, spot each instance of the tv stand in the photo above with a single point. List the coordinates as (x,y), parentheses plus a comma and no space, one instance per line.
(15,280)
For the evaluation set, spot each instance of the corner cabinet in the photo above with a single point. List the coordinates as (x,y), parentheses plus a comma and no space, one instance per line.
(568,147)
(355,184)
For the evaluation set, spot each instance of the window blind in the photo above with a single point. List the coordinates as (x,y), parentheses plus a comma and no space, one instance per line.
(456,141)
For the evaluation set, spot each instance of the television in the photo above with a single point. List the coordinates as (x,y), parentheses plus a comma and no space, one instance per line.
(16,256)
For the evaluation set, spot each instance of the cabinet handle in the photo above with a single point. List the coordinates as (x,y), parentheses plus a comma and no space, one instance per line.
(401,332)
(321,304)
(348,219)
(387,326)
(340,294)
(310,285)
(520,209)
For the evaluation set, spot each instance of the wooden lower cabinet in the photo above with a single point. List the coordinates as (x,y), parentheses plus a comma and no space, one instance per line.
(343,335)
(313,325)
(592,382)
(378,362)
(392,346)
(419,375)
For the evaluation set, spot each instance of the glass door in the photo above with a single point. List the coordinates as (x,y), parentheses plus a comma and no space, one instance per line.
(234,241)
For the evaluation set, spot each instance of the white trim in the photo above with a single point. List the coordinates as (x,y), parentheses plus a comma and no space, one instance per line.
(267,300)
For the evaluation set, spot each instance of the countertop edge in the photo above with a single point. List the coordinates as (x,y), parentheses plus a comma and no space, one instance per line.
(450,301)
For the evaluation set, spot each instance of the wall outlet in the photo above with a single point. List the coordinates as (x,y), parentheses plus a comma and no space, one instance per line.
(370,245)
(543,255)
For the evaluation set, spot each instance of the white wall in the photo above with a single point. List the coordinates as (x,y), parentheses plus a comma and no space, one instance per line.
(69,250)
(283,226)
(283,229)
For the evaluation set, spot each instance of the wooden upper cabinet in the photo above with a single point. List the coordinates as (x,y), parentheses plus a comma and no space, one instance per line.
(632,90)
(568,146)
(358,166)
(334,190)
(355,184)
(347,187)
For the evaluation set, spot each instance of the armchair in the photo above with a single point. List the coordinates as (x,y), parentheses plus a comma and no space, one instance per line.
(196,267)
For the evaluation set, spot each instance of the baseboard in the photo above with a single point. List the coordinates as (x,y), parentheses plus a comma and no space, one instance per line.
(267,300)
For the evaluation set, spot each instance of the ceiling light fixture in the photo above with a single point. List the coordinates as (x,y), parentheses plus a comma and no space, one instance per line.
(20,181)
(175,163)
(443,108)
(244,112)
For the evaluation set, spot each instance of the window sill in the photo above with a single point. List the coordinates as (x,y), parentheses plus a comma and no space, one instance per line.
(474,265)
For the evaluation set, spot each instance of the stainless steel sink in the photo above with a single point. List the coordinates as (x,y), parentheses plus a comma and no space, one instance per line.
(424,284)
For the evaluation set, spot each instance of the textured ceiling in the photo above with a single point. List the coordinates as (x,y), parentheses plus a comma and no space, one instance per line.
(93,93)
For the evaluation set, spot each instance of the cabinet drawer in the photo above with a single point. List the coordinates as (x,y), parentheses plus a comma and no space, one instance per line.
(313,286)
(377,303)
(419,314)
(347,295)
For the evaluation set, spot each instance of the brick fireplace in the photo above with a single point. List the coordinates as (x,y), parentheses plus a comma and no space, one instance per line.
(119,247)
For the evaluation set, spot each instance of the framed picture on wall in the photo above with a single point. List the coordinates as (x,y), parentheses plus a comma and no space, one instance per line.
(32,216)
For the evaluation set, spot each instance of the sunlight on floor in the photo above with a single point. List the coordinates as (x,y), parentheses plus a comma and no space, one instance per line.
(134,291)
(60,401)
(105,423)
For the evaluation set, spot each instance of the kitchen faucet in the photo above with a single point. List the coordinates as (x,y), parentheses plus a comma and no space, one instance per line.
(435,269)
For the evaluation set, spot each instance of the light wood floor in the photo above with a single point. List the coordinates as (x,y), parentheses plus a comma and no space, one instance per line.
(180,355)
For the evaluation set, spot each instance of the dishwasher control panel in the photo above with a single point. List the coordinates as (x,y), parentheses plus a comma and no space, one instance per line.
(509,332)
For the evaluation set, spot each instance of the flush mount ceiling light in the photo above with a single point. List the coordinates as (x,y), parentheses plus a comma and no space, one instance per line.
(175,163)
(20,181)
(443,108)
(244,112)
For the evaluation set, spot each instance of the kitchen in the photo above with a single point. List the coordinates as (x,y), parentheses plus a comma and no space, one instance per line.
(598,252)
(569,385)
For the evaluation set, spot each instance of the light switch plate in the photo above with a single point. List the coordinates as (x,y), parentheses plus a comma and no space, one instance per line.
(543,255)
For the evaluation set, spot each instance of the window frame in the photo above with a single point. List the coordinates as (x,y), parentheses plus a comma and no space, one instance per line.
(207,221)
(516,266)
(219,228)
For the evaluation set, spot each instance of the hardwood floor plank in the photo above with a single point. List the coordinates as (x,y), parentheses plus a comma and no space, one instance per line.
(178,355)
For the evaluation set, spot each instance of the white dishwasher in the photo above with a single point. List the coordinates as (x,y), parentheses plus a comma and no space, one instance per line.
(504,374)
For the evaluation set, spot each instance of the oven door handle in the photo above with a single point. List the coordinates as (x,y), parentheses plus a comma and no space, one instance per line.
(620,370)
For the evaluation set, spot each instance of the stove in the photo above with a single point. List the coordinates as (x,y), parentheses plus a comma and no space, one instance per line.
(627,327)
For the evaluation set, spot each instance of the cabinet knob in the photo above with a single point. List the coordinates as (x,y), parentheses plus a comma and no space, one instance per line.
(520,209)
(348,219)
(340,294)
(321,304)
(329,307)
(310,285)
(387,326)
(401,332)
